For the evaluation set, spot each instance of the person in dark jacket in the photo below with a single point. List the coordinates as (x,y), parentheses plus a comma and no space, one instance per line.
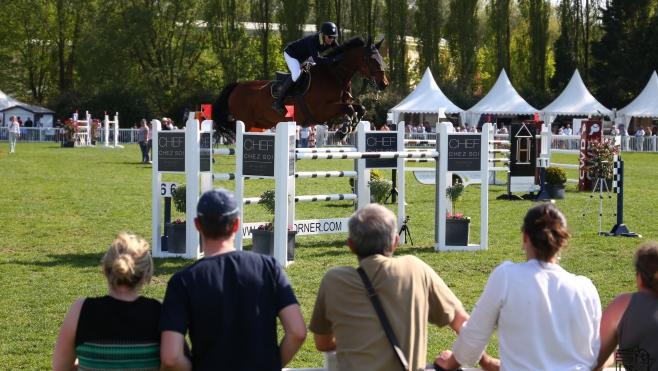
(307,47)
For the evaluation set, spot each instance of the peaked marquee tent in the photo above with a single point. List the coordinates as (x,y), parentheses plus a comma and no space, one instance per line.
(502,99)
(7,101)
(426,98)
(574,100)
(645,104)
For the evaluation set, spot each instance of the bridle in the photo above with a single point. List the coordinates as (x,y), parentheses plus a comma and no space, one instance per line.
(372,81)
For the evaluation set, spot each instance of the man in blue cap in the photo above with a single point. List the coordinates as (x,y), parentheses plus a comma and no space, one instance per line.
(229,301)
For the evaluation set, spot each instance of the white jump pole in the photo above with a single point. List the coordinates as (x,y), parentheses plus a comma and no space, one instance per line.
(239,179)
(284,212)
(116,131)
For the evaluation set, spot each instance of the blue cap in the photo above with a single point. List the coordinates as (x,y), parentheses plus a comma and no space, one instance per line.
(217,207)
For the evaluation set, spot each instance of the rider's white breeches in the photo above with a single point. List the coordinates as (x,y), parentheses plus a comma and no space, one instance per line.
(293,66)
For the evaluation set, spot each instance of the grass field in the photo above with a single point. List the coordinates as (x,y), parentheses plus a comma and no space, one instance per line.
(60,209)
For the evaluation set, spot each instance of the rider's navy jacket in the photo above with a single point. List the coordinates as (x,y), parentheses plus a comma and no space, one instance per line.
(310,46)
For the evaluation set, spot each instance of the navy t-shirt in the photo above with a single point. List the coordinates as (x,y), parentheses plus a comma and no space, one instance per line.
(230,303)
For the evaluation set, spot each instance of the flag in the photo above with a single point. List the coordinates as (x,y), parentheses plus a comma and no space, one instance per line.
(290,112)
(206,110)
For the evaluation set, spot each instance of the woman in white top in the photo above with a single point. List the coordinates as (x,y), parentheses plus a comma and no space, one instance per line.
(547,318)
(14,132)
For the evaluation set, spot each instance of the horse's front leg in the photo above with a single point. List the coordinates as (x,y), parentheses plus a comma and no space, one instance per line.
(349,120)
(360,111)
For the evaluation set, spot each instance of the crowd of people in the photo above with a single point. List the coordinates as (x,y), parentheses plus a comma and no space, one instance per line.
(375,317)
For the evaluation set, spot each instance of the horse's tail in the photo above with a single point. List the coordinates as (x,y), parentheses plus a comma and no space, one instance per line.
(224,122)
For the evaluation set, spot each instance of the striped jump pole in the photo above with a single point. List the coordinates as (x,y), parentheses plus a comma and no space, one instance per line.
(366,155)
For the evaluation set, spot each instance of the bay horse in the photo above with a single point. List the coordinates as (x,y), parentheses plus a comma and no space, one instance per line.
(328,96)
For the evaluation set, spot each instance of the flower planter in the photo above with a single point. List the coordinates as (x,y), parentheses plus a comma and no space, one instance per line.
(555,191)
(457,231)
(263,242)
(176,237)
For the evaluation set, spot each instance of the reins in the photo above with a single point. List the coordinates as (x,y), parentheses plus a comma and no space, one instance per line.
(372,81)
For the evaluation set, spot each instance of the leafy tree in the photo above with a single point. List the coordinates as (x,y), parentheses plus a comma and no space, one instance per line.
(622,67)
(229,40)
(364,17)
(427,27)
(164,40)
(395,18)
(536,16)
(462,34)
(498,12)
(292,18)
(566,56)
(261,13)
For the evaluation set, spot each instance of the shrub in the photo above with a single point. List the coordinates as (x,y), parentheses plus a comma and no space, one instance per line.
(555,175)
(179,197)
(380,189)
(374,174)
(454,194)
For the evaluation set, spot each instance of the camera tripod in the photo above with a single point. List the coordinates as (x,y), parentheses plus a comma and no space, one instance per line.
(407,232)
(600,183)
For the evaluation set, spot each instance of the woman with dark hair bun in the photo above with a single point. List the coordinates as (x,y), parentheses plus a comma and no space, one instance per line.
(547,318)
(631,319)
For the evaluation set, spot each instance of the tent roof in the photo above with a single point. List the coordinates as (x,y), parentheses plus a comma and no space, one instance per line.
(575,100)
(645,104)
(27,107)
(503,99)
(426,98)
(7,101)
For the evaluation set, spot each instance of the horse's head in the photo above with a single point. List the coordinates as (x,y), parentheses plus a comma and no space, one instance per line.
(372,65)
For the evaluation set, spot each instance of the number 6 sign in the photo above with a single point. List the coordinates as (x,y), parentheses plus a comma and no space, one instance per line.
(166,188)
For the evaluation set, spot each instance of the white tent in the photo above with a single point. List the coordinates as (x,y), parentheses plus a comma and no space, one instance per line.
(645,104)
(7,101)
(575,100)
(426,98)
(502,99)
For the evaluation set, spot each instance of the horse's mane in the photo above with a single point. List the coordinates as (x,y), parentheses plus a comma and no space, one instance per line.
(352,43)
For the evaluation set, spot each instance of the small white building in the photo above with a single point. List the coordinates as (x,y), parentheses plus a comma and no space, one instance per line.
(12,107)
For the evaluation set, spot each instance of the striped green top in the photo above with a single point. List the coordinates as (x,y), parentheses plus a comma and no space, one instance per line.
(132,357)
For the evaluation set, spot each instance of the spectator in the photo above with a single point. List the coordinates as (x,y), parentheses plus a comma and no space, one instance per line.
(142,139)
(37,122)
(304,134)
(229,301)
(428,128)
(547,318)
(186,115)
(121,323)
(385,128)
(614,132)
(466,128)
(14,133)
(298,130)
(567,130)
(631,319)
(149,143)
(622,131)
(410,292)
(29,123)
(20,122)
(639,138)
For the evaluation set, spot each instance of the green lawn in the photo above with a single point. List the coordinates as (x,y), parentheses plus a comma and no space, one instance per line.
(60,209)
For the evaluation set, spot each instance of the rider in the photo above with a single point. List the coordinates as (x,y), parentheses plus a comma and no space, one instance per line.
(299,51)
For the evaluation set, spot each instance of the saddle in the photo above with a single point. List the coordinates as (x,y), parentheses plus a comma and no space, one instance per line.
(300,87)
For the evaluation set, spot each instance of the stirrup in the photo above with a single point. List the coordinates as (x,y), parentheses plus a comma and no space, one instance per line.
(278,107)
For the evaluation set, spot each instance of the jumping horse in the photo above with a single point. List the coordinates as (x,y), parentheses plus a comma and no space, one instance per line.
(326,96)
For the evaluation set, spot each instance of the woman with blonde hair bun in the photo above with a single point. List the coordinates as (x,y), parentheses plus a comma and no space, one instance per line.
(631,319)
(547,318)
(121,324)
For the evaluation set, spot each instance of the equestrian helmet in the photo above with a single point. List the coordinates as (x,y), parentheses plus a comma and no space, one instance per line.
(329,29)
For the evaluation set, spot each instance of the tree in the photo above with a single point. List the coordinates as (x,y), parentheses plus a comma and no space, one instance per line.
(427,30)
(292,18)
(532,43)
(232,47)
(462,34)
(364,17)
(395,18)
(164,40)
(622,66)
(500,33)
(566,56)
(261,13)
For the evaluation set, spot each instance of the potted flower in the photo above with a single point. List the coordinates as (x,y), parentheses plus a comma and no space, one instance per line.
(380,189)
(374,174)
(95,126)
(556,182)
(263,237)
(175,231)
(599,162)
(457,225)
(70,130)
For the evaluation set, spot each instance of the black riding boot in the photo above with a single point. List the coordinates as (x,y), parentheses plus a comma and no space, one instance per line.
(278,105)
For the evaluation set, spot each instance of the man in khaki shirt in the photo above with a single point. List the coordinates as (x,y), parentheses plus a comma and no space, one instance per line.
(411,294)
